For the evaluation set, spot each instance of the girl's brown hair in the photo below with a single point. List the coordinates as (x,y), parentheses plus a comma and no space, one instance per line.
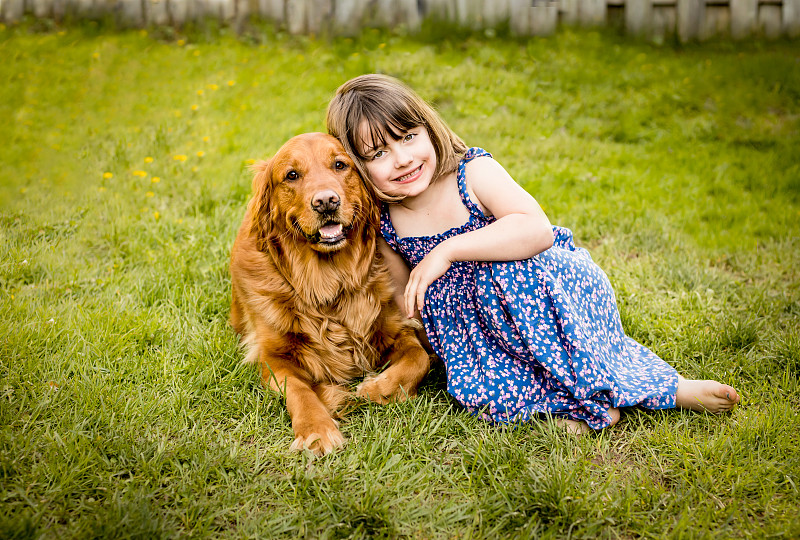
(386,106)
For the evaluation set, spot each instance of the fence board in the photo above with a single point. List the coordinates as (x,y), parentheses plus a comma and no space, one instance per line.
(411,15)
(132,14)
(156,12)
(664,22)
(470,13)
(178,12)
(42,8)
(791,17)
(593,12)
(519,16)
(318,14)
(769,20)
(296,16)
(274,10)
(12,10)
(569,11)
(495,13)
(543,18)
(347,15)
(717,21)
(59,9)
(744,17)
(691,16)
(639,16)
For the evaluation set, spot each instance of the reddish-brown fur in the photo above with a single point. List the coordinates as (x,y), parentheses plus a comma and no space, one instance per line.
(316,315)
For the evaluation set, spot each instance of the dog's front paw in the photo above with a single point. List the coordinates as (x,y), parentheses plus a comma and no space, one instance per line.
(381,389)
(321,438)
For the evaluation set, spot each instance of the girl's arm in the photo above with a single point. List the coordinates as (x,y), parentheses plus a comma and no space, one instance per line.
(521,230)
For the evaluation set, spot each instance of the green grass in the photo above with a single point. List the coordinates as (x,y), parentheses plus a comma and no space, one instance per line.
(125,411)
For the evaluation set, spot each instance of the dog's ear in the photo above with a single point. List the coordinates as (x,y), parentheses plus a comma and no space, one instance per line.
(374,203)
(261,207)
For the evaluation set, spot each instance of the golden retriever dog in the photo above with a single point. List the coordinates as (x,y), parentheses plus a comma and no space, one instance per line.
(312,298)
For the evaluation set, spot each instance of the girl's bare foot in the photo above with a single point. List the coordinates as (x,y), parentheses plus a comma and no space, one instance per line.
(576,427)
(705,396)
(579,427)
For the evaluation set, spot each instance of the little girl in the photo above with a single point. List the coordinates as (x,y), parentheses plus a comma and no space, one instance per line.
(524,321)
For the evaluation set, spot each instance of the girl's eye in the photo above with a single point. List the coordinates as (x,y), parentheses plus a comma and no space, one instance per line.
(292,175)
(409,136)
(340,165)
(378,154)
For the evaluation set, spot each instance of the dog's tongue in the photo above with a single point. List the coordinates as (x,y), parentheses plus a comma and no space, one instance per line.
(331,229)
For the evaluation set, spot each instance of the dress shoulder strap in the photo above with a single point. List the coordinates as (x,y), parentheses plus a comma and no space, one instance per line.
(461,175)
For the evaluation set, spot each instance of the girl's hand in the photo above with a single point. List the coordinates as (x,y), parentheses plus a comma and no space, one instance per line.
(432,267)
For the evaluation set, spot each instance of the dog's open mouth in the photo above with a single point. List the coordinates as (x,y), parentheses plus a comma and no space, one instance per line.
(331,233)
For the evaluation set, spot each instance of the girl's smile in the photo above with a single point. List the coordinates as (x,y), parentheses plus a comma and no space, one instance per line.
(410,177)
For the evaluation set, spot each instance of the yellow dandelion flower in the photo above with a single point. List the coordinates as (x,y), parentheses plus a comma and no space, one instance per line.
(181,42)
(155,180)
(96,55)
(178,114)
(199,92)
(108,175)
(231,83)
(195,169)
(196,53)
(149,194)
(140,174)
(148,159)
(179,157)
(213,87)
(249,161)
(156,215)
(200,153)
(195,107)
(206,139)
(382,45)
(179,220)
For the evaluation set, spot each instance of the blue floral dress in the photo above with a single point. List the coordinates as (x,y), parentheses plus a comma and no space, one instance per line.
(541,335)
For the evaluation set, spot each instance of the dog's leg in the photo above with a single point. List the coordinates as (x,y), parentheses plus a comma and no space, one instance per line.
(408,365)
(313,426)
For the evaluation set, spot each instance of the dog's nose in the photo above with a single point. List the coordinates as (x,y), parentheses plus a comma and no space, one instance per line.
(325,201)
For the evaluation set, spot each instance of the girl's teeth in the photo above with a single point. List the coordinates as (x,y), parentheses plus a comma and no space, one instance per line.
(407,176)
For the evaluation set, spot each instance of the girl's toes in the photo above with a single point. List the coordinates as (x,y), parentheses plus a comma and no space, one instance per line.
(729,393)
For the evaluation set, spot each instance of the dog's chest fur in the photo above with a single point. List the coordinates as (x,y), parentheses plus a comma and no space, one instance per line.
(333,330)
(337,340)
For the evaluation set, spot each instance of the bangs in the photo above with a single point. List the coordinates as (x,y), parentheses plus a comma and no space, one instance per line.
(375,122)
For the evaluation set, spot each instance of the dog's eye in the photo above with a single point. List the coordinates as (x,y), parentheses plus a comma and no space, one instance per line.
(340,165)
(292,175)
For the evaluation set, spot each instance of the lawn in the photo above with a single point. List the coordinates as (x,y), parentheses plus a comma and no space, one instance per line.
(125,410)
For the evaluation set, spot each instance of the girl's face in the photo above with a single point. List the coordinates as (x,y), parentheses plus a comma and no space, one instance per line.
(402,167)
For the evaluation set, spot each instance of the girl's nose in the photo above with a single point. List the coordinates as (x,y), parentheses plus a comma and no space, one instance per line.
(402,158)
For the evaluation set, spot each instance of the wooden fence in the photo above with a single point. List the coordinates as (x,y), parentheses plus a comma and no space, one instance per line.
(688,19)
